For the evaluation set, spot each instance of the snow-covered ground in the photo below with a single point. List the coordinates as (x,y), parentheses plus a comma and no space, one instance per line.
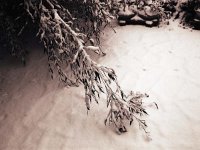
(37,113)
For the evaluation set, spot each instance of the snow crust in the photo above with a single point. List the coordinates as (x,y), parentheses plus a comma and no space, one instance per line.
(37,113)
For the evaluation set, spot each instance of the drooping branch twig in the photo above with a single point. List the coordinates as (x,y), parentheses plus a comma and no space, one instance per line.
(67,47)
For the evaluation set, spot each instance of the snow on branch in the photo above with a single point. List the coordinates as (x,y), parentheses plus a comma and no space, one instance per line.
(67,45)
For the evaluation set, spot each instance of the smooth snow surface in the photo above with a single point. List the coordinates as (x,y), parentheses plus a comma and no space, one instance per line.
(37,113)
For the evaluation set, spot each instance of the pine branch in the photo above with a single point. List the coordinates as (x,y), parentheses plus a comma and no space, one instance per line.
(66,46)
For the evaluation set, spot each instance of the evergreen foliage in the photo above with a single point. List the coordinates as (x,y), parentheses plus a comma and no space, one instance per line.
(69,29)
